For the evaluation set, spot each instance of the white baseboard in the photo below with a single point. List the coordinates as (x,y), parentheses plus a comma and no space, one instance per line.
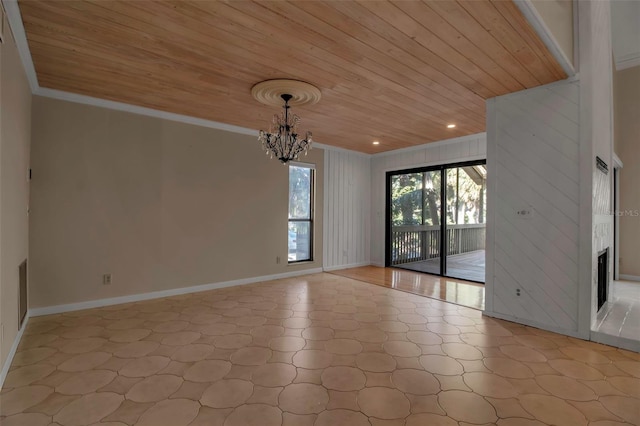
(628,277)
(12,352)
(351,265)
(378,264)
(57,309)
(535,324)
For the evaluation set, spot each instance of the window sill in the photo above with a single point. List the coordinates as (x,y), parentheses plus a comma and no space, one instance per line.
(300,262)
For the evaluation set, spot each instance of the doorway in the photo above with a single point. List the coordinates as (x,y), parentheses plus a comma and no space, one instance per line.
(618,317)
(436,220)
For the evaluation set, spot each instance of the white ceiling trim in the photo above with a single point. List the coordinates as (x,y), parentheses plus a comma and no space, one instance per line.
(443,142)
(17,29)
(625,33)
(149,112)
(531,14)
(120,106)
(617,162)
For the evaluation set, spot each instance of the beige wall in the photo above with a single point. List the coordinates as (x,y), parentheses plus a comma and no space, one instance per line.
(15,127)
(558,17)
(627,137)
(156,203)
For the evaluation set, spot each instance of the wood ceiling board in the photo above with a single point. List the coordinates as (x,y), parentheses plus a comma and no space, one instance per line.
(262,117)
(379,77)
(159,86)
(393,72)
(207,56)
(423,108)
(462,51)
(405,30)
(494,22)
(469,26)
(512,14)
(375,50)
(174,77)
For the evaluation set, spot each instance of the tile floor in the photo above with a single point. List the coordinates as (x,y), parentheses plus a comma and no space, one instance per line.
(315,350)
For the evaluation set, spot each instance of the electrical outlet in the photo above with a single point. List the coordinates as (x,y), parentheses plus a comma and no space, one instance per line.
(517,292)
(106,279)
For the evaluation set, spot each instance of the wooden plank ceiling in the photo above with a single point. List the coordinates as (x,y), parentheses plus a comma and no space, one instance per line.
(395,72)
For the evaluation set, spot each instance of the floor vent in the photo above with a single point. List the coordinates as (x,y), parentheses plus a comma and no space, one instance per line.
(22,293)
(603,277)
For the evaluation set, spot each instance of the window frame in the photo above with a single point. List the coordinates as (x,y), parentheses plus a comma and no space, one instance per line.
(312,203)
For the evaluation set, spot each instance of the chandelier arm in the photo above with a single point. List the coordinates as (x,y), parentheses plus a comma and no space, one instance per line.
(283,142)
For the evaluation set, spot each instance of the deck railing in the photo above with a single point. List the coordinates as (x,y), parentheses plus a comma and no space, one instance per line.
(417,243)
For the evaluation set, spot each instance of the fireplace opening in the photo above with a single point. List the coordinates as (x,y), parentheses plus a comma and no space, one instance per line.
(603,276)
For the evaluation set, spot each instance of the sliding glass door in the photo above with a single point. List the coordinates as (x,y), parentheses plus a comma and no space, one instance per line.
(466,207)
(415,220)
(418,238)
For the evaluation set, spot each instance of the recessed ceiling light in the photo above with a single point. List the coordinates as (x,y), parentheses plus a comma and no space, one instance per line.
(376,143)
(451,126)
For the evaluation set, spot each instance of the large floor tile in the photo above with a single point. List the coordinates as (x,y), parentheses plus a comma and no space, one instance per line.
(317,350)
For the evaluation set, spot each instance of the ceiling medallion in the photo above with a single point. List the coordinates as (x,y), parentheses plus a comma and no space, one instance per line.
(282,139)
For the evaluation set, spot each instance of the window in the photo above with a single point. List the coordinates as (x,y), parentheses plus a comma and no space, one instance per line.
(300,232)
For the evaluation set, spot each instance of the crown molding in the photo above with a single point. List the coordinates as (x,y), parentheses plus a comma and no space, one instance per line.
(443,142)
(120,106)
(17,29)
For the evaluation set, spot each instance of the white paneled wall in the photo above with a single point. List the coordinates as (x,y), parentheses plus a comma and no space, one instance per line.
(533,164)
(597,131)
(347,230)
(449,151)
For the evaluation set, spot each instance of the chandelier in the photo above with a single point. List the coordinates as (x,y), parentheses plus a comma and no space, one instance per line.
(283,140)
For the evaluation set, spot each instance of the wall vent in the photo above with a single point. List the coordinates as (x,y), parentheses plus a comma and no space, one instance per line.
(602,166)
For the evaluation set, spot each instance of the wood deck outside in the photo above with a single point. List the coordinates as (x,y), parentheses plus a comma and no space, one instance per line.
(466,266)
(447,289)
